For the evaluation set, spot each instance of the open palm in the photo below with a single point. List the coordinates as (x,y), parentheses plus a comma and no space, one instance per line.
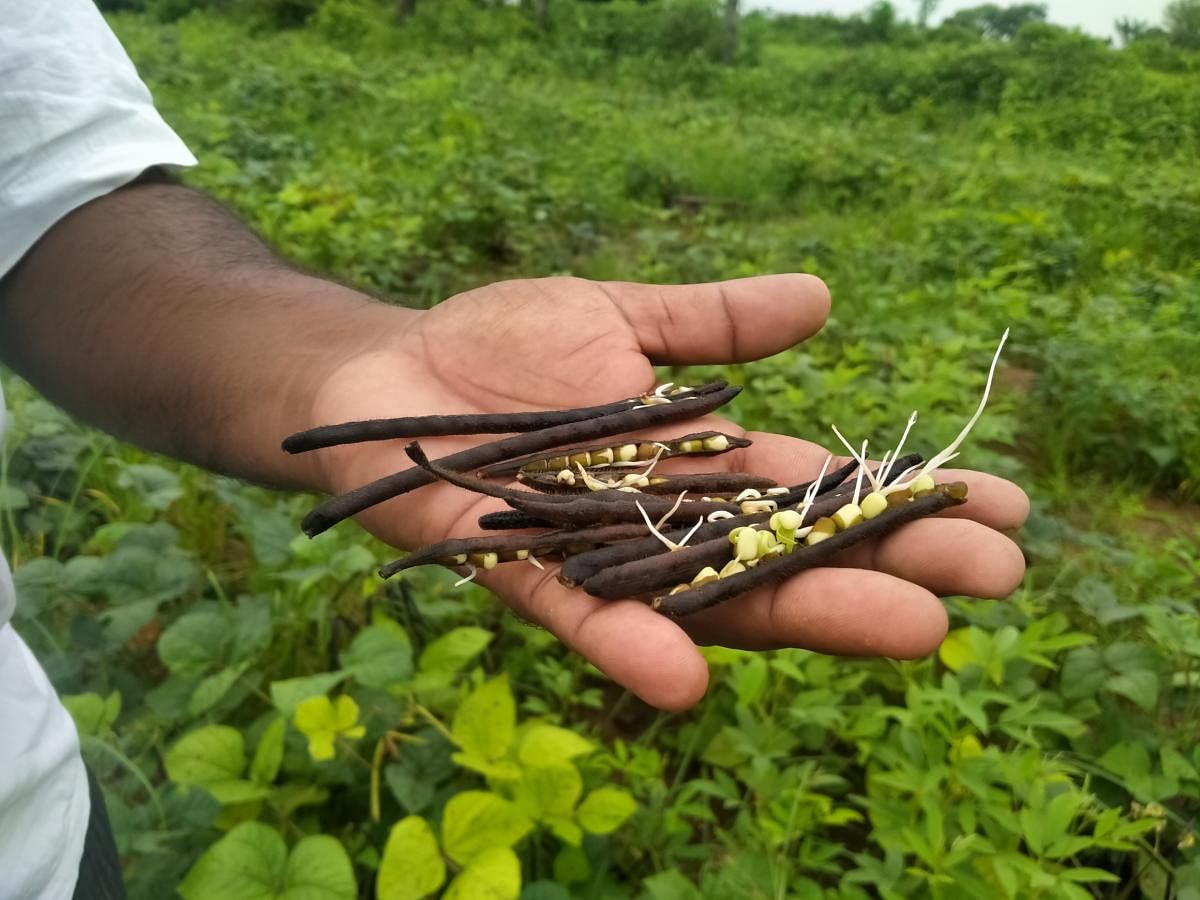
(562,342)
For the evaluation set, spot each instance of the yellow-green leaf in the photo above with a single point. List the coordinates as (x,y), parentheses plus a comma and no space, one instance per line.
(548,791)
(956,652)
(412,865)
(321,720)
(486,721)
(545,744)
(494,875)
(206,756)
(475,821)
(268,756)
(605,809)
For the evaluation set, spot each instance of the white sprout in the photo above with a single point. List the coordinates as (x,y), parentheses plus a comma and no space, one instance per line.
(858,480)
(535,562)
(470,577)
(748,494)
(654,529)
(940,459)
(885,471)
(810,494)
(718,514)
(661,390)
(860,458)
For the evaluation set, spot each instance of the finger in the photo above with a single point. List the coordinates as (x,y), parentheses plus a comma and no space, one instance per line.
(640,649)
(947,557)
(725,321)
(849,612)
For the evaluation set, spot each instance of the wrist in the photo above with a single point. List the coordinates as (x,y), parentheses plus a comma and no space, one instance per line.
(361,367)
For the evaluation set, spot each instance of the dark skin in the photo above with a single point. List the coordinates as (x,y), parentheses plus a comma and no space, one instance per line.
(155,315)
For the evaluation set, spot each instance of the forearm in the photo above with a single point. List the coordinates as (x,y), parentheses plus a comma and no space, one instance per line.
(155,315)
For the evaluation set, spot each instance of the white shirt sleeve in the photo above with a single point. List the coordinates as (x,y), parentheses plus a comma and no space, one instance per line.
(76,122)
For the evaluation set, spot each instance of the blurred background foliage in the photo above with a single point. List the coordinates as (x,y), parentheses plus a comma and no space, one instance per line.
(947,181)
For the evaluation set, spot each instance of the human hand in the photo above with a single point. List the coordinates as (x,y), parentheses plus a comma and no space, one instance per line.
(563,342)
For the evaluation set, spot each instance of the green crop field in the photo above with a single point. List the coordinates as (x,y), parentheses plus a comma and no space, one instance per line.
(947,185)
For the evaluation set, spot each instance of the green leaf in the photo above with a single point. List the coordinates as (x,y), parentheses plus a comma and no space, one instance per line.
(1087,873)
(671,885)
(246,864)
(213,689)
(236,790)
(208,755)
(750,680)
(12,498)
(571,865)
(956,652)
(475,821)
(291,692)
(494,875)
(93,713)
(380,655)
(158,487)
(605,809)
(319,869)
(193,644)
(252,863)
(412,865)
(547,792)
(1139,685)
(485,722)
(454,649)
(268,756)
(544,744)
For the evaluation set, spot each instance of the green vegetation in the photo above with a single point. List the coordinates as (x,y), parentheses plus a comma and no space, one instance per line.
(260,707)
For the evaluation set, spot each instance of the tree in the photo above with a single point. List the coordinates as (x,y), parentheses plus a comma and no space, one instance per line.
(729,38)
(925,9)
(993,21)
(1182,19)
(1130,30)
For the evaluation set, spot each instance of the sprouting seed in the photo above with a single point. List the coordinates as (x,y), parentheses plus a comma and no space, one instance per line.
(950,452)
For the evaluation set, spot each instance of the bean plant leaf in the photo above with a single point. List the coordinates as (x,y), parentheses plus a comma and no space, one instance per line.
(252,863)
(545,744)
(289,693)
(212,758)
(412,865)
(548,792)
(454,649)
(605,809)
(494,875)
(268,756)
(207,755)
(319,869)
(670,885)
(955,651)
(322,721)
(212,690)
(475,821)
(380,655)
(93,713)
(486,721)
(192,644)
(157,487)
(246,864)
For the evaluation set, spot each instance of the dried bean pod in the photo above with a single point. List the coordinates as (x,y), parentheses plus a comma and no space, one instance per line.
(345,505)
(696,599)
(485,423)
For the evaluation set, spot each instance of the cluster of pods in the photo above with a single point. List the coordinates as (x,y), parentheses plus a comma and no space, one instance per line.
(622,528)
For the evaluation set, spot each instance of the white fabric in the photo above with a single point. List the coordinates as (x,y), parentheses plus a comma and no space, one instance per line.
(76,122)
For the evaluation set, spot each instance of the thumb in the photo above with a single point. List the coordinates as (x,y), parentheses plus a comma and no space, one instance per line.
(723,321)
